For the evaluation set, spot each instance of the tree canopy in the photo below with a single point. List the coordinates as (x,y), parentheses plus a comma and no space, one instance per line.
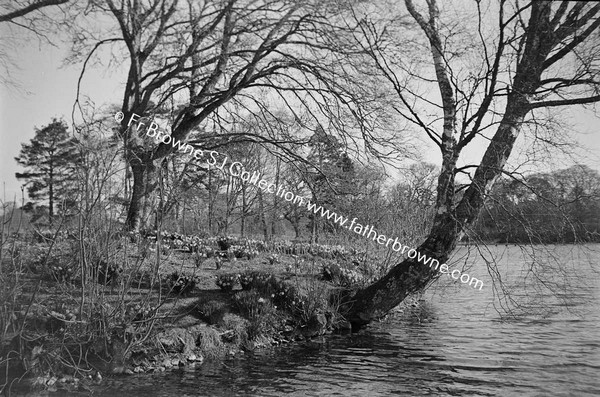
(50,160)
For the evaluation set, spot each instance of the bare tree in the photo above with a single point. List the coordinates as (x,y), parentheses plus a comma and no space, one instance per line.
(539,55)
(212,60)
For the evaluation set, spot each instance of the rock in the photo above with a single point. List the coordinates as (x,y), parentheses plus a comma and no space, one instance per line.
(138,370)
(128,372)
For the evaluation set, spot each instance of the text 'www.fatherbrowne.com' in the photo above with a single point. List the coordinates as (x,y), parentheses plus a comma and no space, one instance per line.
(236,169)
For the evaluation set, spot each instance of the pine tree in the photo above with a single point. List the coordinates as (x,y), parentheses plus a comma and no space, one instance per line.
(49,161)
(332,178)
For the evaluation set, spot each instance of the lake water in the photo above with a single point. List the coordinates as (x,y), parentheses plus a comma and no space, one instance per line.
(453,343)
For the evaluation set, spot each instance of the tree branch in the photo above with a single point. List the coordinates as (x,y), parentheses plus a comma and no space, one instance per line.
(565,102)
(30,8)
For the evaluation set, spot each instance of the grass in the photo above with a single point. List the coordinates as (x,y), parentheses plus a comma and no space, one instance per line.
(61,318)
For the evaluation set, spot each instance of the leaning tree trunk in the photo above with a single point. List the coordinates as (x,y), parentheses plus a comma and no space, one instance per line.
(449,225)
(453,219)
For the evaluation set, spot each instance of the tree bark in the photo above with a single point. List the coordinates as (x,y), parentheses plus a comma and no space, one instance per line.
(448,227)
(275,215)
(51,193)
(144,182)
(263,220)
(210,203)
(244,209)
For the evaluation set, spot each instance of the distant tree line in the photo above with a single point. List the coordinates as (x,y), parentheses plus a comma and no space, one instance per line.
(61,171)
(557,207)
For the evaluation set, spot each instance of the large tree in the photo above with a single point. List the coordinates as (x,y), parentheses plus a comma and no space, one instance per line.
(493,78)
(212,63)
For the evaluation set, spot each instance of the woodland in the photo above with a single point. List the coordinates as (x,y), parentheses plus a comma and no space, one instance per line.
(118,242)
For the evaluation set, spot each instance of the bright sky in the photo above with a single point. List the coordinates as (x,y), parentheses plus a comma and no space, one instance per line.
(47,90)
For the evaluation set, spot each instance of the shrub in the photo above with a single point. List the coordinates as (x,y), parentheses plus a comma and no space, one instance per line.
(237,329)
(342,276)
(273,259)
(61,273)
(261,314)
(213,311)
(198,258)
(255,280)
(246,279)
(181,283)
(238,251)
(138,312)
(262,282)
(224,243)
(227,281)
(108,272)
(282,294)
(210,342)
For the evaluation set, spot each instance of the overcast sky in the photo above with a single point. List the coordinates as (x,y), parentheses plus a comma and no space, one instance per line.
(46,90)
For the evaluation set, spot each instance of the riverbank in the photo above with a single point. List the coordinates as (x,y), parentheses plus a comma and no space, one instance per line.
(453,343)
(154,303)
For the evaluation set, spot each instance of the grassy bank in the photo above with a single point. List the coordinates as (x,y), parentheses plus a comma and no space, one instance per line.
(75,311)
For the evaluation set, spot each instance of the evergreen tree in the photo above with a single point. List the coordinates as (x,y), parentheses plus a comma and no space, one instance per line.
(331,180)
(49,161)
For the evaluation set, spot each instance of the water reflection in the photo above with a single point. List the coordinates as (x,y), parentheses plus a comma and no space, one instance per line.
(453,344)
